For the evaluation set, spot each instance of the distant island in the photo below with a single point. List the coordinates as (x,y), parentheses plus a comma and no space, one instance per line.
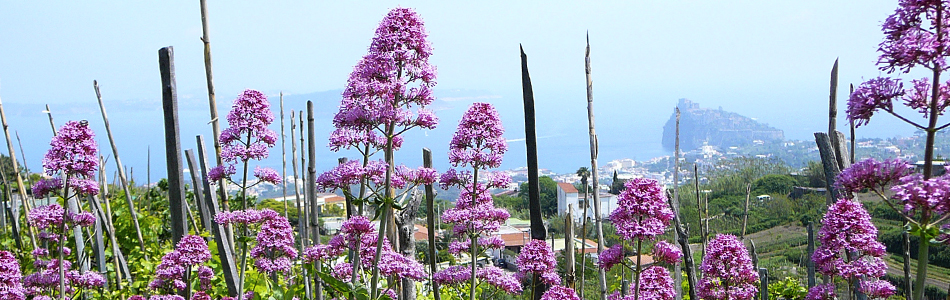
(715,127)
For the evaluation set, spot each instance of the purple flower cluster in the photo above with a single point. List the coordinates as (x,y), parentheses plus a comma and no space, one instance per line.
(872,174)
(642,211)
(537,258)
(877,289)
(499,279)
(73,152)
(478,140)
(727,271)
(267,175)
(918,194)
(274,250)
(386,84)
(492,242)
(822,292)
(247,137)
(357,233)
(849,249)
(475,211)
(911,38)
(49,220)
(872,95)
(10,286)
(560,293)
(352,172)
(191,251)
(611,257)
(668,253)
(45,282)
(656,284)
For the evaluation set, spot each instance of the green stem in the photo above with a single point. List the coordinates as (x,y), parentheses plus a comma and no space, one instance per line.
(62,239)
(636,275)
(471,296)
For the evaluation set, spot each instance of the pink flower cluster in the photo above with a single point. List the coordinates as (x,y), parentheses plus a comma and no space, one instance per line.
(274,250)
(494,276)
(872,174)
(728,273)
(655,284)
(668,253)
(358,234)
(642,211)
(611,257)
(72,152)
(849,249)
(478,140)
(917,194)
(560,293)
(911,38)
(45,282)
(191,251)
(11,287)
(247,137)
(537,258)
(386,84)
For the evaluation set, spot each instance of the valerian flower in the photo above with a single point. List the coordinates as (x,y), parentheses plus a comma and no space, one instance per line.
(727,270)
(642,211)
(537,258)
(872,95)
(849,246)
(11,287)
(873,174)
(560,293)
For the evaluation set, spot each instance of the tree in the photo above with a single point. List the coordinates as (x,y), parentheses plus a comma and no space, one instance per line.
(774,184)
(548,195)
(617,185)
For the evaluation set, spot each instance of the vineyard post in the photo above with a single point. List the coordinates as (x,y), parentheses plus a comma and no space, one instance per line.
(430,224)
(196,182)
(312,192)
(225,252)
(176,191)
(534,194)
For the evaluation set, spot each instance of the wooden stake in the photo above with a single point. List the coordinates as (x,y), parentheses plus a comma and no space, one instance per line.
(16,169)
(430,224)
(569,252)
(602,275)
(200,195)
(538,231)
(283,155)
(302,222)
(675,205)
(212,104)
(25,167)
(745,213)
(312,192)
(176,191)
(225,252)
(809,264)
(118,163)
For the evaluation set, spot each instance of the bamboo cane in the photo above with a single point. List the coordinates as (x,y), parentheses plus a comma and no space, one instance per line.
(602,275)
(16,169)
(118,163)
(301,216)
(212,104)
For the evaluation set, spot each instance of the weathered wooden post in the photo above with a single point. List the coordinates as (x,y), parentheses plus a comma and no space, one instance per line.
(405,227)
(118,162)
(430,224)
(764,283)
(534,191)
(225,252)
(699,209)
(569,252)
(312,193)
(745,212)
(810,264)
(199,191)
(176,191)
(601,273)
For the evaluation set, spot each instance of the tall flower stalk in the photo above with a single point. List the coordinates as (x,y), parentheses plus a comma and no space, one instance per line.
(915,36)
(478,145)
(642,214)
(385,97)
(183,265)
(72,164)
(247,138)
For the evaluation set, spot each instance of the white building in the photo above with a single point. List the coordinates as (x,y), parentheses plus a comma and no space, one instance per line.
(568,195)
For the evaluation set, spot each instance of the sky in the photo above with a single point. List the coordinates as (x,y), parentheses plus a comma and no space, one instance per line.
(769,60)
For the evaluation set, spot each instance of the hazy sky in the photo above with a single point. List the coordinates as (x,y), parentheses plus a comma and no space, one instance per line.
(765,59)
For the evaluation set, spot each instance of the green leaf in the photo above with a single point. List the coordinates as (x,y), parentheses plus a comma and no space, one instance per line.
(336,284)
(928,232)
